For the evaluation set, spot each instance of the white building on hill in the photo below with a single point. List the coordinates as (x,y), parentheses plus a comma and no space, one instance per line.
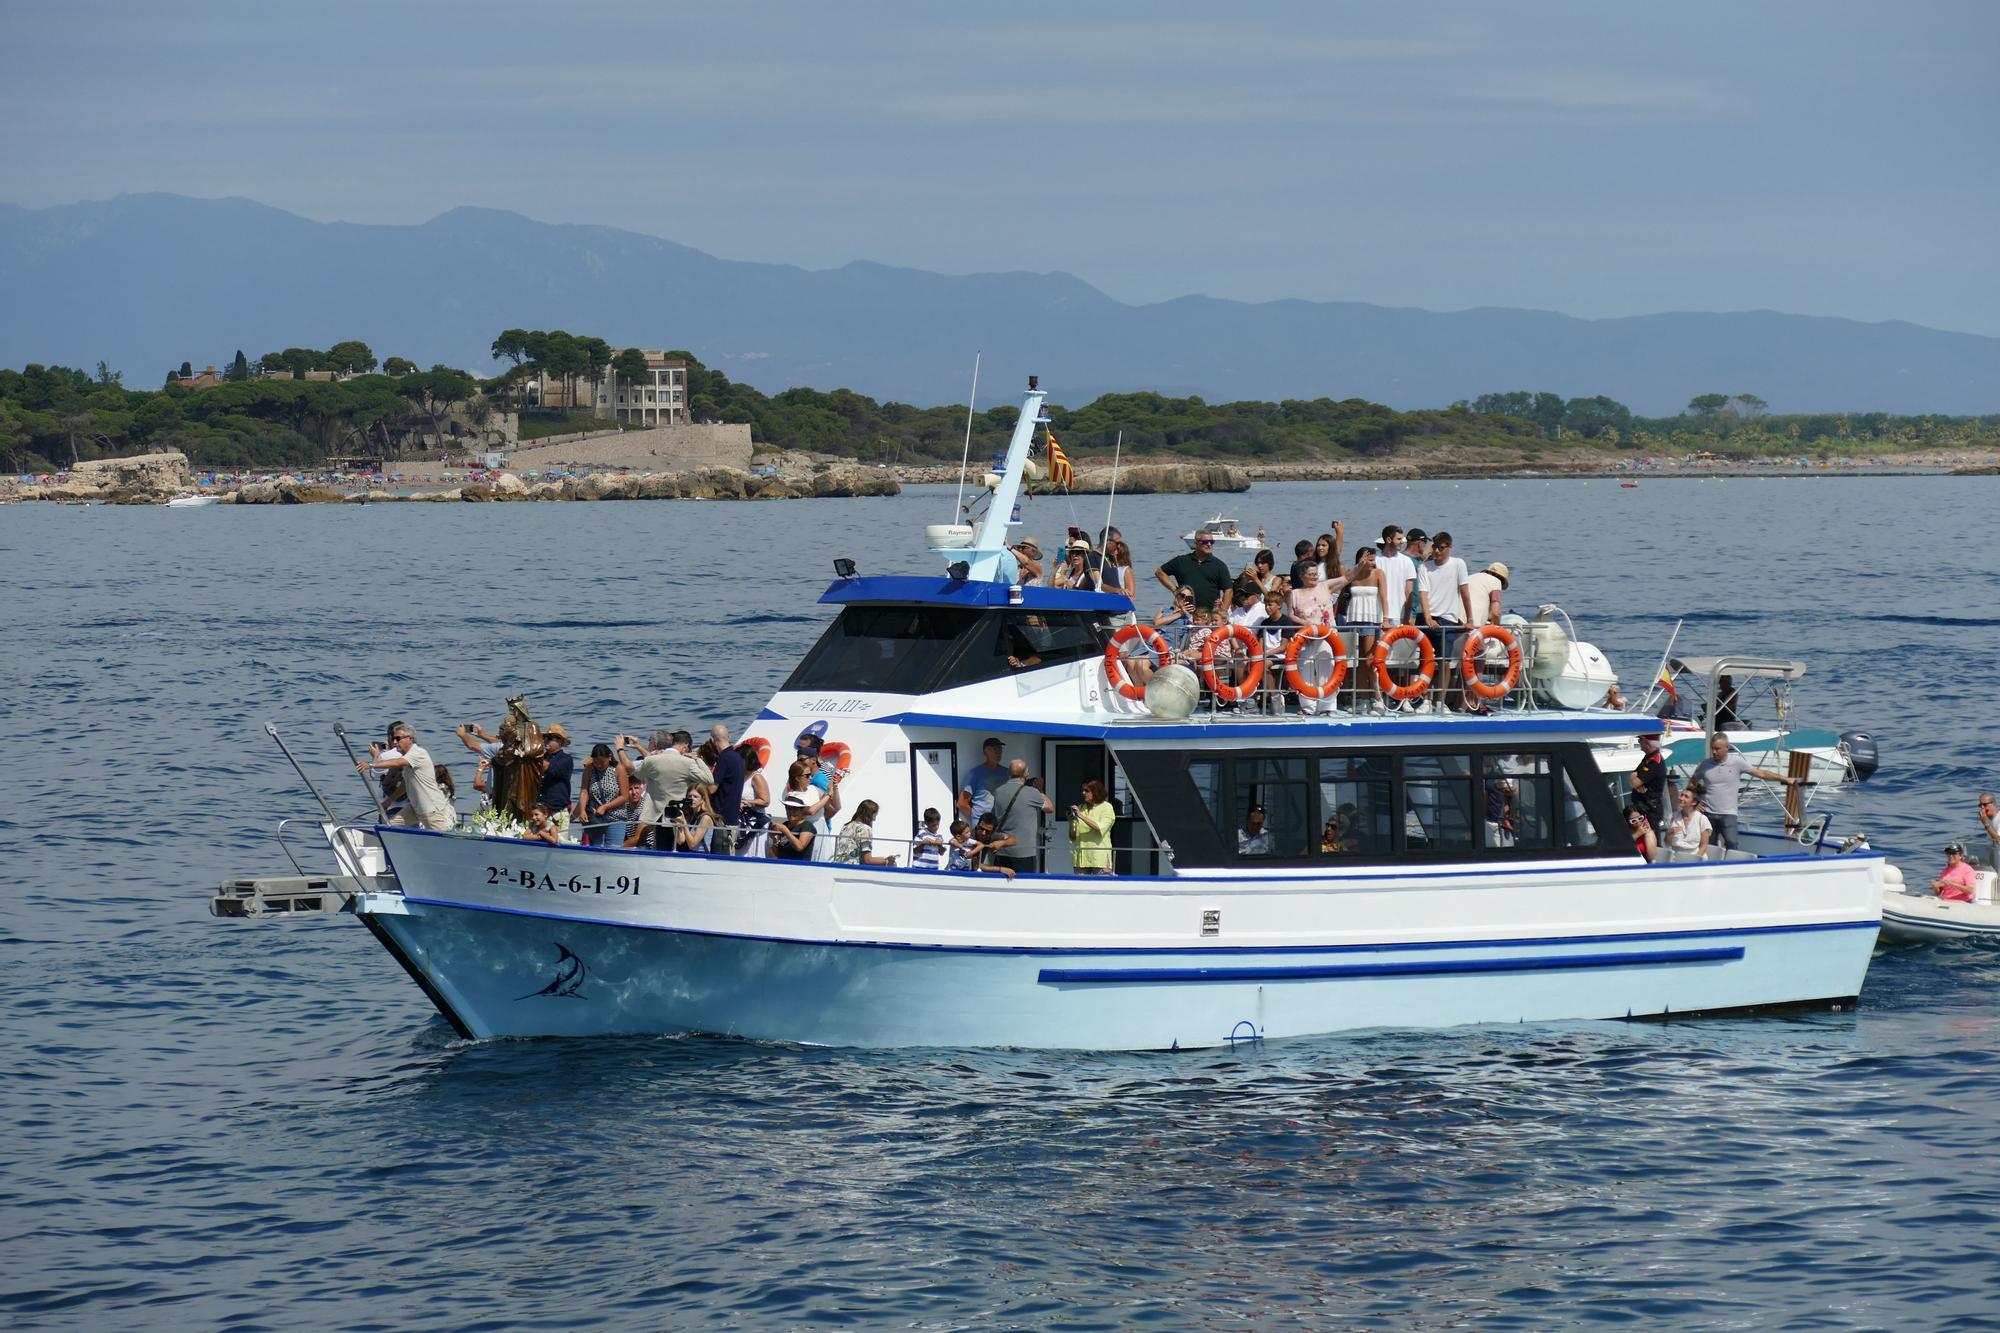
(659,400)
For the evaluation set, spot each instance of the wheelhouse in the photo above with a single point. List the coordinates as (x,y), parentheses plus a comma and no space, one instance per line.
(920,636)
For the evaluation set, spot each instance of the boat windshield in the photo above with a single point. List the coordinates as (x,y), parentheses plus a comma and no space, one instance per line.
(905,648)
(895,649)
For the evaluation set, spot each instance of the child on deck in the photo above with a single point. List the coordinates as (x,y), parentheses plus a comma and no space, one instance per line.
(964,849)
(927,849)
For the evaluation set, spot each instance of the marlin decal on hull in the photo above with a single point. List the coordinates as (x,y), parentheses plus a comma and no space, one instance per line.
(568,982)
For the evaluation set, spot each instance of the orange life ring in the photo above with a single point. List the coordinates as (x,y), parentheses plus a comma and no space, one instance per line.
(1295,680)
(1472,657)
(762,747)
(1222,690)
(1426,663)
(1114,660)
(836,755)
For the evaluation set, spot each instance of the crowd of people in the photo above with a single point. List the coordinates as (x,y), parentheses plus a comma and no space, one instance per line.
(1403,578)
(1688,820)
(668,794)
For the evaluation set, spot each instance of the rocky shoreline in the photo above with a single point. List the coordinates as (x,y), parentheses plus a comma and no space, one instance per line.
(150,479)
(155,478)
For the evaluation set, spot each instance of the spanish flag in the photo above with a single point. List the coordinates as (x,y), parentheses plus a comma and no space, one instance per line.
(1666,682)
(1060,472)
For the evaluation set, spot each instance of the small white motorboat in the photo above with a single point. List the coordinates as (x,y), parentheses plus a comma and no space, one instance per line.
(191,501)
(1913,912)
(1229,539)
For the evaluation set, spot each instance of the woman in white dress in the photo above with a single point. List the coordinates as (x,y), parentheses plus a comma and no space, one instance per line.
(754,819)
(1360,615)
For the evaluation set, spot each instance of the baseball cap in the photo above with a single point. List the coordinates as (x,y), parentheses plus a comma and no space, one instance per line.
(1416,535)
(993,741)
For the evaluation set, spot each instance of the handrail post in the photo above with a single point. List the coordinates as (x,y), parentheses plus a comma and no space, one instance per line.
(272,732)
(374,790)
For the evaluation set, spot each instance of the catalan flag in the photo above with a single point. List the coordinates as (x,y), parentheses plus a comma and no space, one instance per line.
(1060,472)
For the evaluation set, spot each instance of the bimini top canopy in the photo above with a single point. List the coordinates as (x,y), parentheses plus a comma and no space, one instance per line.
(1774,668)
(937,590)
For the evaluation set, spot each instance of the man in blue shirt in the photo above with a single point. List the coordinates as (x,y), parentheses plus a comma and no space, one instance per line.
(983,779)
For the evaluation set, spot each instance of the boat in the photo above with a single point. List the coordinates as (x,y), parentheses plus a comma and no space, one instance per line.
(1913,912)
(191,501)
(1404,869)
(1749,701)
(1229,539)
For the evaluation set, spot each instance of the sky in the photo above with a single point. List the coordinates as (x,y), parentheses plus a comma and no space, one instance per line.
(1817,158)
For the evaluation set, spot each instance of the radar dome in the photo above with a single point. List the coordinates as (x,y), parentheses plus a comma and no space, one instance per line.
(1172,692)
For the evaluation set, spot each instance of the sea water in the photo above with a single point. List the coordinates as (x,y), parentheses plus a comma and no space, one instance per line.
(263,1124)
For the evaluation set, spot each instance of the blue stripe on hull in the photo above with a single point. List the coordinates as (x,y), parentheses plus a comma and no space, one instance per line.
(509,975)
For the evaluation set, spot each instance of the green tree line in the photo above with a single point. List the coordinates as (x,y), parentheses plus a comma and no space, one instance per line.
(1733,424)
(51,416)
(54,416)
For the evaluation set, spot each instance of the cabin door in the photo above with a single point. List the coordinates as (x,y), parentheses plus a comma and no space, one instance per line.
(933,783)
(1070,764)
(1067,766)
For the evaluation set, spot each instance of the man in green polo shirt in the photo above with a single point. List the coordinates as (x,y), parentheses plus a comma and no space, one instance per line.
(1198,570)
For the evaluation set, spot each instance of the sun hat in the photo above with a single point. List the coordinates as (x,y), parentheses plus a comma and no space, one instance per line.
(1497,570)
(556,729)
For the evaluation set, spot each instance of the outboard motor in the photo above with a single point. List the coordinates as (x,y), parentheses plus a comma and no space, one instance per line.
(1859,747)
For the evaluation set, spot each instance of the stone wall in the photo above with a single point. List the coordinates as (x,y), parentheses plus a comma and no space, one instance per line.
(662,449)
(159,474)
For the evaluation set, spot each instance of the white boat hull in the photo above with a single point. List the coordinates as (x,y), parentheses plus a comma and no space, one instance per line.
(1920,915)
(519,939)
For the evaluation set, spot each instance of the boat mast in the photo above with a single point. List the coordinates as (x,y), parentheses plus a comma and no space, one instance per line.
(983,556)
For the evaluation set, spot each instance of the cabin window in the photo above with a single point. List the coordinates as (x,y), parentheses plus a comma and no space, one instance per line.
(1580,831)
(1031,638)
(885,649)
(1519,795)
(1373,806)
(1437,803)
(1354,805)
(1277,789)
(1206,774)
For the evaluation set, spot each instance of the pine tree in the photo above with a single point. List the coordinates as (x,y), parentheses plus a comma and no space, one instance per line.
(239,369)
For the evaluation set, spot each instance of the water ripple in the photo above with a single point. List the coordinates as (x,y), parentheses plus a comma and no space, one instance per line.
(263,1124)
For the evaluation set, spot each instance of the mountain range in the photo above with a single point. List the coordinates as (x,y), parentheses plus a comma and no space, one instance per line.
(148,281)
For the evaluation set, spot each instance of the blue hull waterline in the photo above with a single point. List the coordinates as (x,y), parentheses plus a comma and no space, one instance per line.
(605,979)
